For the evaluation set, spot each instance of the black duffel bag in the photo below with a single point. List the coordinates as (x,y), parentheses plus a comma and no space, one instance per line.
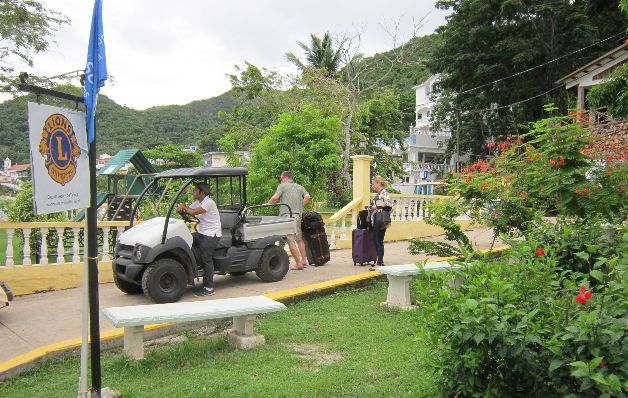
(311,221)
(381,219)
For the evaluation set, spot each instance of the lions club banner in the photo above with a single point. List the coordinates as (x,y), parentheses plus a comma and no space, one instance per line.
(60,169)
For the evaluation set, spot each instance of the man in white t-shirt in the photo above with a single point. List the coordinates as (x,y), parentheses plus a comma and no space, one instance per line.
(208,235)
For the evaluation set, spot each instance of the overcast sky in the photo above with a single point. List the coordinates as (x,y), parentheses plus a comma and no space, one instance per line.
(173,52)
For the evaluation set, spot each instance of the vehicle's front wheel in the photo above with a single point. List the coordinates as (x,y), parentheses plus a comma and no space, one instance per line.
(164,281)
(274,264)
(126,287)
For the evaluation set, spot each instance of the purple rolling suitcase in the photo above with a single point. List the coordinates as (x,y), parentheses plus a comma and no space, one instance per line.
(362,247)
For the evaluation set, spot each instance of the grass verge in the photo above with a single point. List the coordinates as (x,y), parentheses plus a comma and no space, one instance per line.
(341,345)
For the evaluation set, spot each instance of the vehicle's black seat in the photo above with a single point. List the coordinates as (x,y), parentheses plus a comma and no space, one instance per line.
(228,219)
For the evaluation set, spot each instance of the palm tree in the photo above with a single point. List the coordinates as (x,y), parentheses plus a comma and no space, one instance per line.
(319,54)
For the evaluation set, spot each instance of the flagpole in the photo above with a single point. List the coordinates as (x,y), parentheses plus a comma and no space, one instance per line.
(83,391)
(92,258)
(95,76)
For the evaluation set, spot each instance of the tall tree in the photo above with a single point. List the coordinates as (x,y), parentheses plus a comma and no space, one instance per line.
(359,79)
(320,54)
(25,29)
(379,127)
(486,43)
(304,142)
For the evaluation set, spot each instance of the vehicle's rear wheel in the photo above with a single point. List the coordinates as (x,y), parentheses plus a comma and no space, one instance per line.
(274,264)
(126,287)
(237,273)
(164,281)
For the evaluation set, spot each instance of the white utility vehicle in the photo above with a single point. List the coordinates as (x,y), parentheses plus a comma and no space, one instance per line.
(6,295)
(157,256)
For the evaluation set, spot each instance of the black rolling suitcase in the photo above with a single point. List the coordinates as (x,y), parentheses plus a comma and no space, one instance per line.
(315,237)
(317,248)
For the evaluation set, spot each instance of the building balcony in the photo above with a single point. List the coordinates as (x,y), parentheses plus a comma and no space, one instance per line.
(422,128)
(411,167)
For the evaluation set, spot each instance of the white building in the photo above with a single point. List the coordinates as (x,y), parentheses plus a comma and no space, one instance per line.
(18,172)
(102,160)
(219,158)
(426,147)
(7,164)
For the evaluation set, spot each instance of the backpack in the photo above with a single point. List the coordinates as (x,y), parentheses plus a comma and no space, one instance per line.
(363,219)
(311,221)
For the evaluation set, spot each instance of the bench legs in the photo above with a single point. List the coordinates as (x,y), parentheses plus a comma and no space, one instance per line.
(399,292)
(242,335)
(134,341)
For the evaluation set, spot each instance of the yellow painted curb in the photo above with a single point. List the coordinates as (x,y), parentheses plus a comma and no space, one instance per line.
(41,352)
(318,287)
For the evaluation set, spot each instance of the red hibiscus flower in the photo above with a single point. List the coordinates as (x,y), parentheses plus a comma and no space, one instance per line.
(584,295)
(540,252)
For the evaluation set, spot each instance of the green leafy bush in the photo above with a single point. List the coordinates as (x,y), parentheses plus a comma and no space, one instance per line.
(576,243)
(443,213)
(513,328)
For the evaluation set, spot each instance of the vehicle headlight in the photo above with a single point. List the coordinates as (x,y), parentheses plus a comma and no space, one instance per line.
(139,252)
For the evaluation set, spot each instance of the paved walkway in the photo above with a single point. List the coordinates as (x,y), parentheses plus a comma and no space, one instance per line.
(40,319)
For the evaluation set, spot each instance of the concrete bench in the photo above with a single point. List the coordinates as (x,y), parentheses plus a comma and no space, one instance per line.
(399,277)
(242,309)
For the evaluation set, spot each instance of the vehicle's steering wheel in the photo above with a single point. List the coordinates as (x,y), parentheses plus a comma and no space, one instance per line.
(188,218)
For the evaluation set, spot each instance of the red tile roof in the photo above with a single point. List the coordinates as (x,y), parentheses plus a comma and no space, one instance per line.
(19,167)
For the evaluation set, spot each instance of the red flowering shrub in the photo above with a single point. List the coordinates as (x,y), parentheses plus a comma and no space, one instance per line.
(584,295)
(555,169)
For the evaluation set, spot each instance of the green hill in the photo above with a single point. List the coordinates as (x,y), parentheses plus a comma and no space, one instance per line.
(118,126)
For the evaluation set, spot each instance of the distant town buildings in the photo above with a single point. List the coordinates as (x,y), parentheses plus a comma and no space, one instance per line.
(11,174)
(102,160)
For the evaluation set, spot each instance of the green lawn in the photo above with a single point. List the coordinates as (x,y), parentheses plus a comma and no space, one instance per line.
(342,345)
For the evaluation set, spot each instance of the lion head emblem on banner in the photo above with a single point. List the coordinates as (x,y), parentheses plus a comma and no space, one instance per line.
(59,148)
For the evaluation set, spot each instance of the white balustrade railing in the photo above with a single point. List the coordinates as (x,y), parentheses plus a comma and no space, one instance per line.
(41,243)
(409,208)
(336,225)
(412,207)
(29,244)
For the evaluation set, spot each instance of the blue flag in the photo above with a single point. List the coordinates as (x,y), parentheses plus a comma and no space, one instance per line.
(96,68)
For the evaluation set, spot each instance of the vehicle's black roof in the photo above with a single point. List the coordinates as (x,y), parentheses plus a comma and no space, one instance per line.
(202,172)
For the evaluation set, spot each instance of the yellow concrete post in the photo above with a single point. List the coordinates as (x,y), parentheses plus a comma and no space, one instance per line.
(362,178)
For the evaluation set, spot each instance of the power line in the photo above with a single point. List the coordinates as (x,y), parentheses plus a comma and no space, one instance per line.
(518,74)
(518,102)
(541,65)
